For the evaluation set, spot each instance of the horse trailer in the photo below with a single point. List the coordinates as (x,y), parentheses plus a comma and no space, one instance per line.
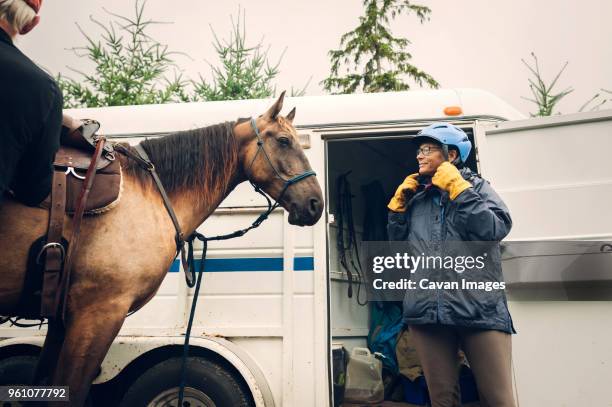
(274,303)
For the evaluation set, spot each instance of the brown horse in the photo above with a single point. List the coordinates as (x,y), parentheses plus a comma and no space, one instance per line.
(198,169)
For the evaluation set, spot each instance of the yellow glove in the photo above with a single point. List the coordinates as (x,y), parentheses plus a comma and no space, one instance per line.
(448,178)
(398,202)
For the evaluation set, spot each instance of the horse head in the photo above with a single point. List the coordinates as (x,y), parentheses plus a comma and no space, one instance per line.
(272,159)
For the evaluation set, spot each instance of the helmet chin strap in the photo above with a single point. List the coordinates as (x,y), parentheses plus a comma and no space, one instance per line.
(456,162)
(445,151)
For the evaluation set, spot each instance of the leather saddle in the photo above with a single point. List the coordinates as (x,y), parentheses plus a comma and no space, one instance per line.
(86,181)
(77,145)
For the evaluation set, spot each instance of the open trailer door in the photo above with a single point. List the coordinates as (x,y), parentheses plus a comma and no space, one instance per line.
(555,175)
(364,165)
(558,167)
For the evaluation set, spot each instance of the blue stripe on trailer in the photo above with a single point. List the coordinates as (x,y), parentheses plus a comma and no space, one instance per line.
(303,263)
(250,264)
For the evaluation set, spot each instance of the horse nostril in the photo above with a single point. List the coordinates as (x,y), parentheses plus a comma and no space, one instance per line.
(314,207)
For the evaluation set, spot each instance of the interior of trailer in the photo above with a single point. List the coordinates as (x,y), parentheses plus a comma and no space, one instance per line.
(372,165)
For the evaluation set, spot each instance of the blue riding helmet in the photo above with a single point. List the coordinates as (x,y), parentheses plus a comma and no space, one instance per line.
(448,135)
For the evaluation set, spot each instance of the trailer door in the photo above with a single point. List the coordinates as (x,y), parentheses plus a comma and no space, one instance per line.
(555,175)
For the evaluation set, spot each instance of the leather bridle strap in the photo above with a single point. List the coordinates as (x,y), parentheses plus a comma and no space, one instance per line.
(260,148)
(288,182)
(148,165)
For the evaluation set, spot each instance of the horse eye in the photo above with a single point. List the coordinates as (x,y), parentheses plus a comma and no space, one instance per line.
(284,141)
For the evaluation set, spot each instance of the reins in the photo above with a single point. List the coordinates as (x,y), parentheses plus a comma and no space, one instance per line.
(347,246)
(187,257)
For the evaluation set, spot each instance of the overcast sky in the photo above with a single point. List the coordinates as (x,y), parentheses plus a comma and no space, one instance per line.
(471,43)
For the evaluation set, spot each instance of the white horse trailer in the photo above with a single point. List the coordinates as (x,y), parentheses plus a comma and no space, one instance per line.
(274,302)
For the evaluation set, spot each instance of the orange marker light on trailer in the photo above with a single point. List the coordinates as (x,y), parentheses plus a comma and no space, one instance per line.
(453,111)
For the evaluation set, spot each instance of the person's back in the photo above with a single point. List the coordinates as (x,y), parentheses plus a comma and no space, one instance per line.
(30,114)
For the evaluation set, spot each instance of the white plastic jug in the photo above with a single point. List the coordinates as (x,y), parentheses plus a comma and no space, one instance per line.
(364,382)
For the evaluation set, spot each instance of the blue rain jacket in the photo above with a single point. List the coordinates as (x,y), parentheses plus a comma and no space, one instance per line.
(432,221)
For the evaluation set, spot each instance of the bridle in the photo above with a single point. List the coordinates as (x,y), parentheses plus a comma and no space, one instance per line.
(288,182)
(188,262)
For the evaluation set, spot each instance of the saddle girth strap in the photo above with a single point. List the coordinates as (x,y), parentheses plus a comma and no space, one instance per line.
(62,293)
(53,249)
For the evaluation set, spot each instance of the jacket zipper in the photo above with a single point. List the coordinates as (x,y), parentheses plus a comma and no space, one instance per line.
(442,238)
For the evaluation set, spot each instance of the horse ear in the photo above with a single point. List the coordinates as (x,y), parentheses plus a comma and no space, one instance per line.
(291,115)
(276,108)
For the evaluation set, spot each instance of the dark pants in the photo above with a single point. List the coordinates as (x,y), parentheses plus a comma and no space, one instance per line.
(488,352)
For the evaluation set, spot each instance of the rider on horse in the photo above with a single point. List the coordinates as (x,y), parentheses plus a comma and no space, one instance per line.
(30,110)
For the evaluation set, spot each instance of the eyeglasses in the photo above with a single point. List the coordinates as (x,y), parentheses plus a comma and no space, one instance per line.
(427,150)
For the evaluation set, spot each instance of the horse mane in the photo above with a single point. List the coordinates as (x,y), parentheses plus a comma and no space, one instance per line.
(201,161)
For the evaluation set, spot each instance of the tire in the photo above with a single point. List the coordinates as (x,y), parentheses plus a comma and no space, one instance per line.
(207,384)
(17,370)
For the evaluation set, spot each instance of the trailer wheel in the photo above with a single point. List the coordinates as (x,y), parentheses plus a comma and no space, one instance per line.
(208,384)
(17,370)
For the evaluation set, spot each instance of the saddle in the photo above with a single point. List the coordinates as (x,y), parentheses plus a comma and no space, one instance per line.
(87,180)
(74,159)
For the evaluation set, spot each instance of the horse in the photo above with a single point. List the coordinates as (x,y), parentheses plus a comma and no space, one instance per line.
(198,169)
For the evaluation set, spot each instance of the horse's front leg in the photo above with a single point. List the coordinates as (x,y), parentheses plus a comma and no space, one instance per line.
(90,331)
(50,352)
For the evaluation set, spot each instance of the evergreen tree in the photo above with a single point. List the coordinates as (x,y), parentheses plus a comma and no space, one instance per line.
(543,96)
(244,72)
(372,58)
(131,68)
